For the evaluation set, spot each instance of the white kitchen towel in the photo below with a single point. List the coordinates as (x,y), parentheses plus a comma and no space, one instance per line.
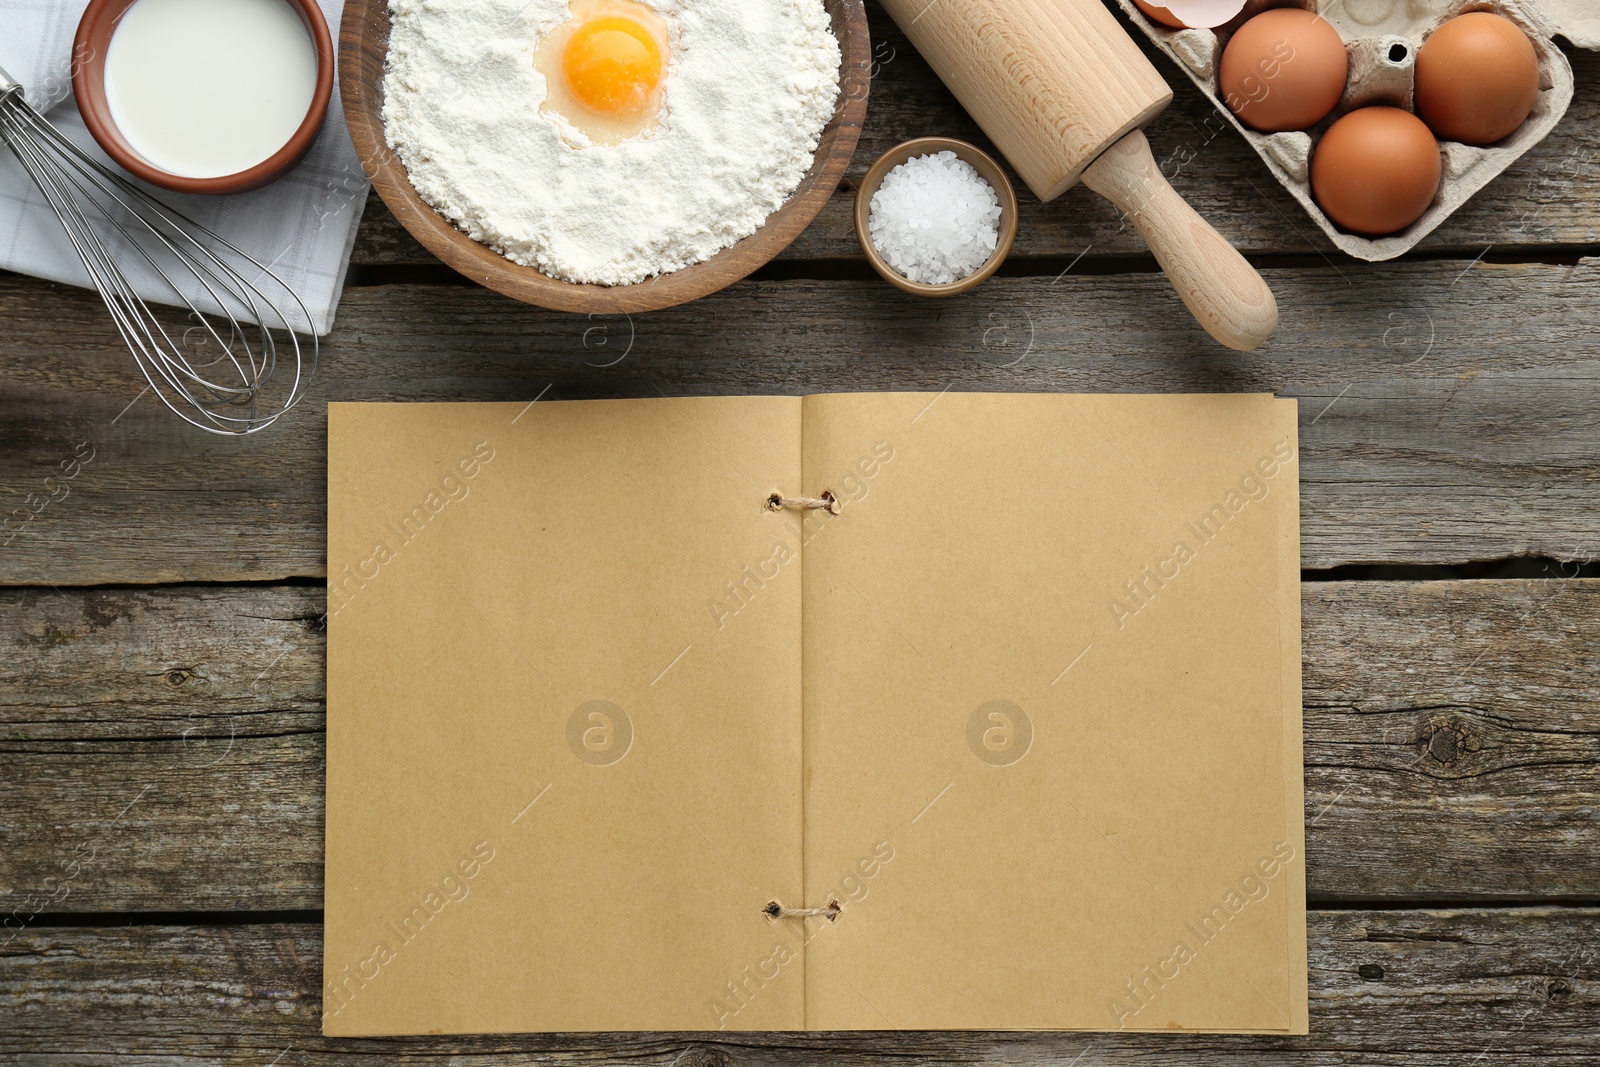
(301,227)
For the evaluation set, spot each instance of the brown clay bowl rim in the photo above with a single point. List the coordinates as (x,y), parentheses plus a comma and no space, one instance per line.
(986,167)
(95,29)
(363,50)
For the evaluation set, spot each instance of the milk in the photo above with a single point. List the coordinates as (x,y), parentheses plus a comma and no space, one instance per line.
(207,88)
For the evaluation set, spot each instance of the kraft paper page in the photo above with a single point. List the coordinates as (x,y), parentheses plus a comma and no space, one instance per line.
(1048,713)
(560,786)
(1028,707)
(1288,603)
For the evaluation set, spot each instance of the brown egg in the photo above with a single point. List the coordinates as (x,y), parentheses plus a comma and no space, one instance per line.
(1159,14)
(1285,69)
(1376,170)
(1477,78)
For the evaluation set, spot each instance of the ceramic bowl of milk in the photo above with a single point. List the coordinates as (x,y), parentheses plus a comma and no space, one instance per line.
(204,96)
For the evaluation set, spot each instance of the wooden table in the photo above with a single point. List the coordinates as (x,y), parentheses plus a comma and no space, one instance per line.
(161,643)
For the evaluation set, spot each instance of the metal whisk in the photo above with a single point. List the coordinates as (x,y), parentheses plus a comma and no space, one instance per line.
(232,321)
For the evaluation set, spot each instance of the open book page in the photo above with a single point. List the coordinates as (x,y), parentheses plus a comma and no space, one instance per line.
(1287,597)
(1045,713)
(563,717)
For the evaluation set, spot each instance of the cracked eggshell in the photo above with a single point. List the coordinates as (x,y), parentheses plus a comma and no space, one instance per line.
(1204,14)
(1159,14)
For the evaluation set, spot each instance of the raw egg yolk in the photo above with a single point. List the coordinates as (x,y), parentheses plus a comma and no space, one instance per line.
(605,71)
(612,65)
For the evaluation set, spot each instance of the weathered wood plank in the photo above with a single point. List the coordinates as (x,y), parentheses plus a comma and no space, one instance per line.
(1448,410)
(174,737)
(1547,198)
(1452,739)
(1421,988)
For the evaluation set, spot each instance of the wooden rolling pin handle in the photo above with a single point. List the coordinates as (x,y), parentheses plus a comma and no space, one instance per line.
(1223,291)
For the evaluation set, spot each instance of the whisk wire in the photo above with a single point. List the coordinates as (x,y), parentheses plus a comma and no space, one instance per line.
(129,313)
(87,168)
(87,198)
(96,259)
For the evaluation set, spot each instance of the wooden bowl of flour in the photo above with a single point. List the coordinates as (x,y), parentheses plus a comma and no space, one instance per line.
(363,49)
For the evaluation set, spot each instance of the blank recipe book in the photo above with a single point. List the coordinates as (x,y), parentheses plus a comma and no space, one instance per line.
(862,711)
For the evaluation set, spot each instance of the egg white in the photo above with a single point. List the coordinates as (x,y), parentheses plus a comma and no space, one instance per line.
(749,88)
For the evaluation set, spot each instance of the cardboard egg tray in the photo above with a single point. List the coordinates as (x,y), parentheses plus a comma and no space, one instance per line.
(1381,39)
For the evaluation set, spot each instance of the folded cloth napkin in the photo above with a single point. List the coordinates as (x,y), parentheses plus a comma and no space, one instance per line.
(301,227)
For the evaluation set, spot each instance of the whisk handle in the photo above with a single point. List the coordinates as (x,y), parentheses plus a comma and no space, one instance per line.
(8,83)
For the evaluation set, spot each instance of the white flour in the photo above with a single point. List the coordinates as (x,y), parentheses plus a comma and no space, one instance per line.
(749,88)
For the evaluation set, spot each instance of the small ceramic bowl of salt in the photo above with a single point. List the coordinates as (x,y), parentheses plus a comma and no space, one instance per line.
(936,216)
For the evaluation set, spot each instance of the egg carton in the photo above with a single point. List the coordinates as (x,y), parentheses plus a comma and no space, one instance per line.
(1381,39)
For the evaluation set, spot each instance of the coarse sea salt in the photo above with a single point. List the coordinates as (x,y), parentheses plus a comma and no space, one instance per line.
(934,219)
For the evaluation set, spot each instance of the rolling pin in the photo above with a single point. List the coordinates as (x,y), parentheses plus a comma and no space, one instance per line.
(1064,94)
